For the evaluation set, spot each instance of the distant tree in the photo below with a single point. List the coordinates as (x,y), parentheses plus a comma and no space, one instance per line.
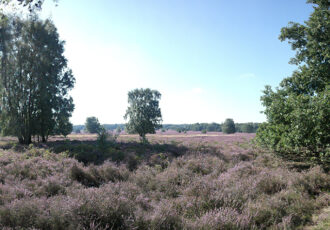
(213,127)
(204,131)
(143,112)
(247,128)
(118,130)
(34,79)
(93,125)
(64,127)
(229,126)
(102,139)
(298,121)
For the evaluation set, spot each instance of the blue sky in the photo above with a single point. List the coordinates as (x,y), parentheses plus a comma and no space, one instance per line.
(209,59)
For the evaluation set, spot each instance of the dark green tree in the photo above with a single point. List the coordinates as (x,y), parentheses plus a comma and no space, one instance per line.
(93,125)
(229,126)
(34,79)
(298,121)
(64,127)
(143,112)
(247,128)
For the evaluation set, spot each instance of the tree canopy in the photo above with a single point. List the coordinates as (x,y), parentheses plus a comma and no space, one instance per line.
(247,128)
(229,126)
(32,5)
(34,80)
(297,111)
(92,125)
(143,112)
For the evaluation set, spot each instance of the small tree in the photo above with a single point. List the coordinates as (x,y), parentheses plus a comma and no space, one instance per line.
(92,125)
(143,112)
(229,126)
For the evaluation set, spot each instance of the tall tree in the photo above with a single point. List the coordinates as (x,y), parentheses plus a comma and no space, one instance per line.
(143,112)
(297,112)
(35,80)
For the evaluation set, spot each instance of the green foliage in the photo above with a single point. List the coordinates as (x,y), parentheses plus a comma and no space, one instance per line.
(93,125)
(229,126)
(31,5)
(34,78)
(106,139)
(102,141)
(247,128)
(64,127)
(298,121)
(143,112)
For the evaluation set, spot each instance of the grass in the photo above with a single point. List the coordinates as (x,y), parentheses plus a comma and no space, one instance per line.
(196,182)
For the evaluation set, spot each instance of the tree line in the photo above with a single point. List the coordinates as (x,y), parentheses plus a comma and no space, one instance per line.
(248,127)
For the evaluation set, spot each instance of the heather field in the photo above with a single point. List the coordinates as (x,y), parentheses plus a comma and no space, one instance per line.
(177,181)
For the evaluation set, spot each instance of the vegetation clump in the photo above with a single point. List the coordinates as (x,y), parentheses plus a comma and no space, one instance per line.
(229,126)
(93,125)
(143,112)
(198,190)
(35,99)
(298,122)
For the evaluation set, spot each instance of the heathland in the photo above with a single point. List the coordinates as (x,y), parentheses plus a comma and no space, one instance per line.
(176,181)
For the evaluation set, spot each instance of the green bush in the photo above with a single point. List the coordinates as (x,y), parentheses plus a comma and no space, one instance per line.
(229,126)
(298,121)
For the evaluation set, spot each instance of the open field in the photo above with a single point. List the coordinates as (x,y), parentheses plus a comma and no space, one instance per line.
(177,181)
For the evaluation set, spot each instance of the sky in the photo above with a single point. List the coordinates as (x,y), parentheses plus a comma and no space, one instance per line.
(210,59)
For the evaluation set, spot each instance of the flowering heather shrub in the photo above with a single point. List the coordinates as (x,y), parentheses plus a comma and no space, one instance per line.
(268,211)
(199,190)
(222,218)
(166,216)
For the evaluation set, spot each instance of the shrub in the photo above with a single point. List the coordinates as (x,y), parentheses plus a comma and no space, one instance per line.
(200,190)
(166,217)
(223,218)
(83,177)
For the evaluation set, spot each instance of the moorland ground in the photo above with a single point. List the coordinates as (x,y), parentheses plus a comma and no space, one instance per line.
(177,181)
